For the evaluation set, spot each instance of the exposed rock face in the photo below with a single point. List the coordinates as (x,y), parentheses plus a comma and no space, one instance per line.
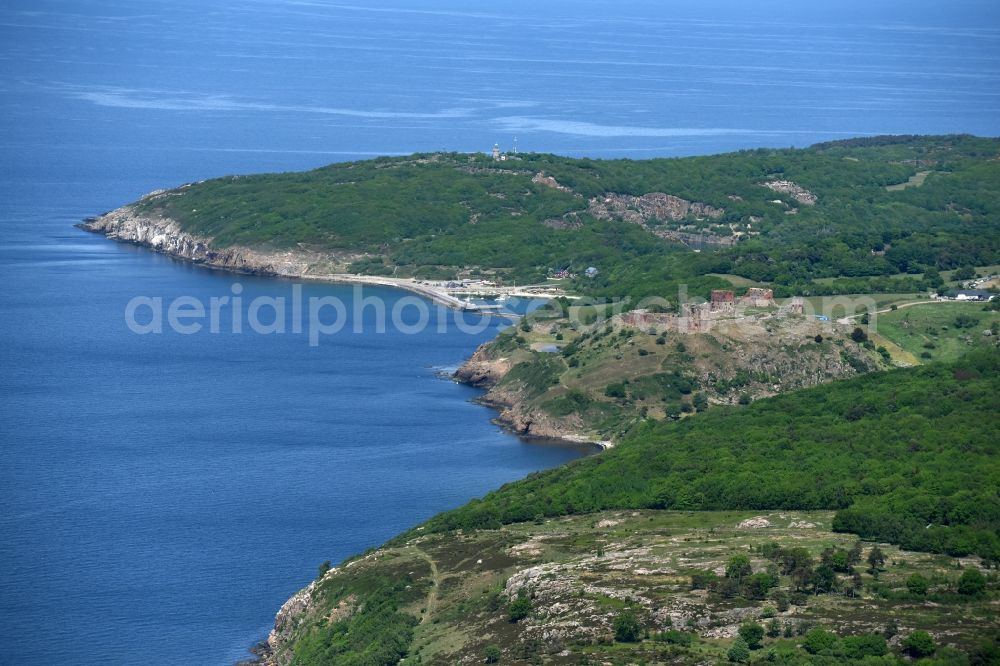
(756,523)
(300,608)
(655,207)
(482,371)
(292,613)
(515,414)
(567,222)
(797,192)
(649,207)
(549,181)
(164,235)
(518,417)
(565,591)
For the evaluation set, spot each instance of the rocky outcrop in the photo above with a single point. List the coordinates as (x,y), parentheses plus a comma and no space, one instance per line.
(293,612)
(515,413)
(651,210)
(482,371)
(517,416)
(298,610)
(650,207)
(794,190)
(130,224)
(755,523)
(570,221)
(548,181)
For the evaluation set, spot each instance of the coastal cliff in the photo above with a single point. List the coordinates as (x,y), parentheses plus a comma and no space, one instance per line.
(481,370)
(131,225)
(548,566)
(595,383)
(135,224)
(276,650)
(511,400)
(516,416)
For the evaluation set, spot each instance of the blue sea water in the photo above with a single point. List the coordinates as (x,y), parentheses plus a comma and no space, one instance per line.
(161,495)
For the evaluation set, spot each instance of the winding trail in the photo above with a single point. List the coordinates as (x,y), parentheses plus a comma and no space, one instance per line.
(899,306)
(432,596)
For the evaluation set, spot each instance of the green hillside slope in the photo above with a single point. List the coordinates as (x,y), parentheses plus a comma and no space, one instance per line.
(754,214)
(907,456)
(723,537)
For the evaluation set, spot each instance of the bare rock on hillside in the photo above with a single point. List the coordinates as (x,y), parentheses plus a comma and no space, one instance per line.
(482,371)
(756,523)
(794,190)
(649,207)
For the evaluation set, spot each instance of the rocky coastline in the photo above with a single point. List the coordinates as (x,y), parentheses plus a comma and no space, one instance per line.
(479,371)
(129,224)
(482,371)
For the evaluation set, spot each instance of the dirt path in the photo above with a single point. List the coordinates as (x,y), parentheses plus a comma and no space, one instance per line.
(432,596)
(897,353)
(916,180)
(899,306)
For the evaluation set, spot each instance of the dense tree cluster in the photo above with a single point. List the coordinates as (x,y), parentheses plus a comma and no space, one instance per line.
(430,215)
(907,456)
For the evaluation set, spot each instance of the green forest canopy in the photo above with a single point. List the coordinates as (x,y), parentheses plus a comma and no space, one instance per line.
(435,214)
(909,456)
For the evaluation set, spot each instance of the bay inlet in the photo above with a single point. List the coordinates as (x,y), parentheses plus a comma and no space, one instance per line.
(169,491)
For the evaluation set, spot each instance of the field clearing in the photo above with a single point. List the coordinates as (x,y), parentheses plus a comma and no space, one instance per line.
(916,180)
(930,331)
(836,307)
(737,280)
(992,269)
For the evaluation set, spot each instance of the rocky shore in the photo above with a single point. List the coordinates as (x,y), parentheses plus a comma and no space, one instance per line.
(127,224)
(480,371)
(130,225)
(276,650)
(483,371)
